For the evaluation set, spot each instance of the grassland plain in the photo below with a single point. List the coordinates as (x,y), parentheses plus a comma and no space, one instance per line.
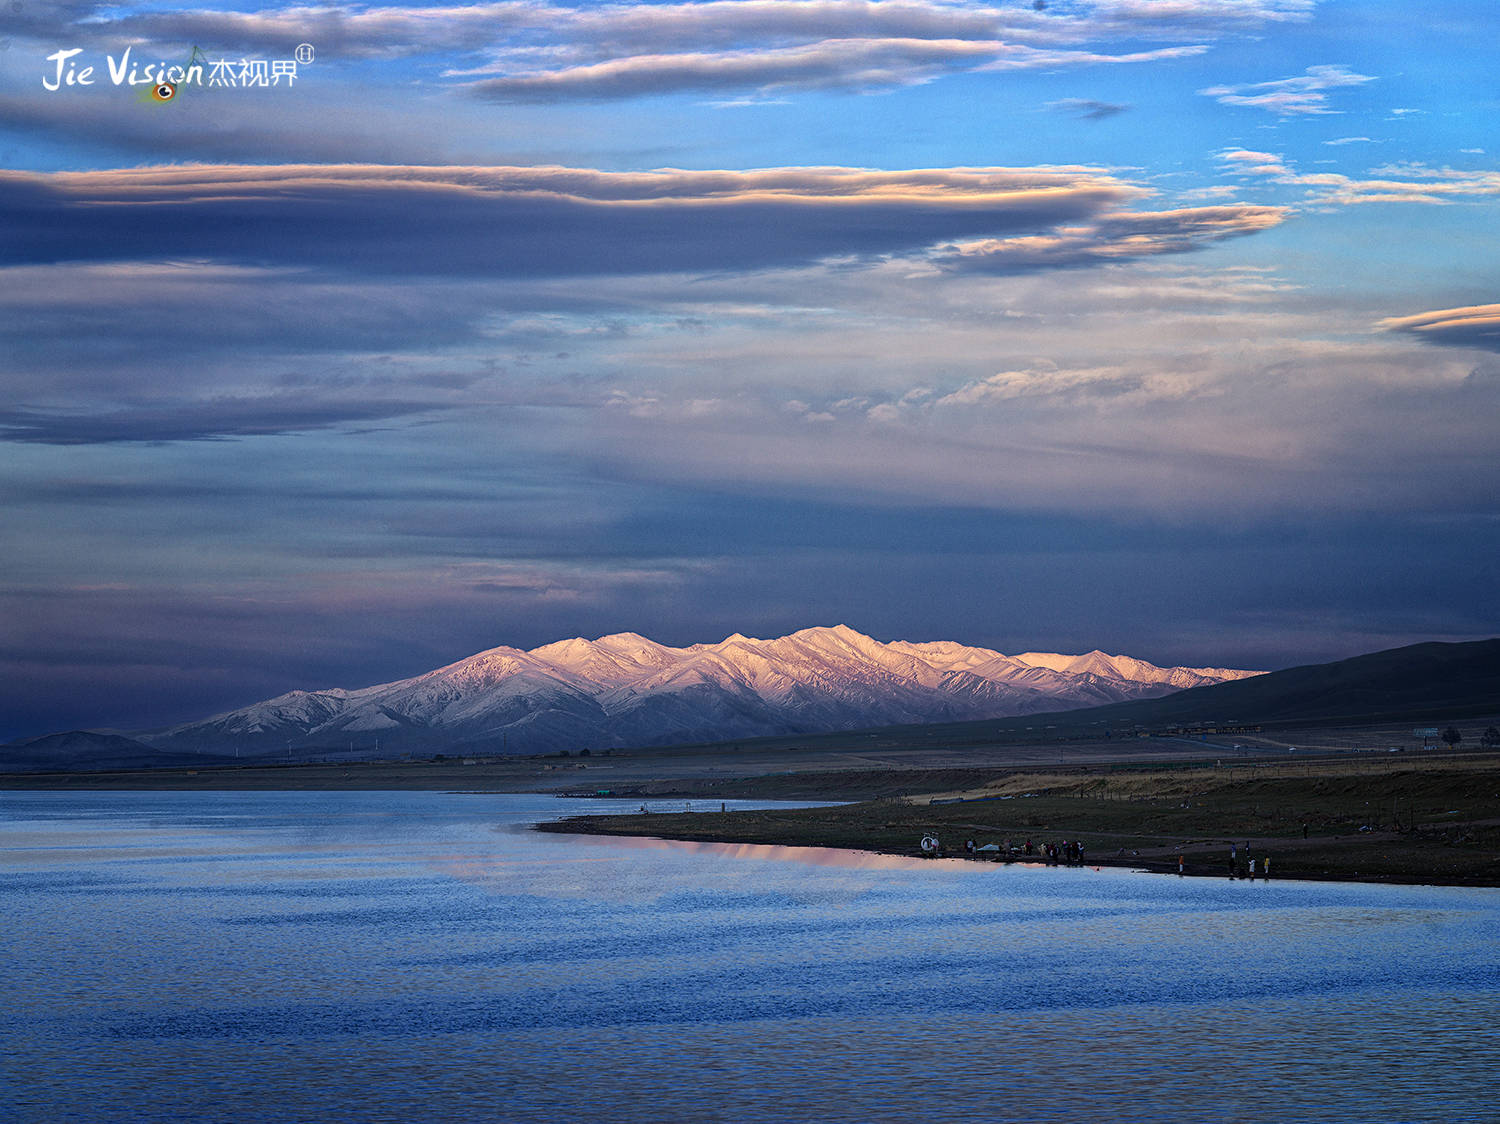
(1369,818)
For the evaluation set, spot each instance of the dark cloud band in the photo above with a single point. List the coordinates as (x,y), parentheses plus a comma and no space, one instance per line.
(196,421)
(526,222)
(1475,325)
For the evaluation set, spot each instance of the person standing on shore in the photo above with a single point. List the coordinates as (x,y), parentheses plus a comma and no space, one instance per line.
(1181,865)
(1252,870)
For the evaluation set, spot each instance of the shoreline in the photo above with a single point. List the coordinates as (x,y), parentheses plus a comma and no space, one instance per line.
(1138,863)
(1135,864)
(1368,817)
(1430,823)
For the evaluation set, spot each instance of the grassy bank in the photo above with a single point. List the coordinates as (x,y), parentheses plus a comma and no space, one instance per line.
(1429,821)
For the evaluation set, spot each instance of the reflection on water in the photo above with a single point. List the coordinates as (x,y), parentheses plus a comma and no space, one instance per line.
(414,956)
(770,852)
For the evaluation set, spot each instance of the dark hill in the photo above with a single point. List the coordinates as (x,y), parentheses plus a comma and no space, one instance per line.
(86,749)
(1422,682)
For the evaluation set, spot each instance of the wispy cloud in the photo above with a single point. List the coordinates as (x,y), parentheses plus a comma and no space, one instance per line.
(214,419)
(1391,183)
(1086,109)
(847,64)
(529,50)
(1121,236)
(312,126)
(1301,95)
(347,30)
(1055,382)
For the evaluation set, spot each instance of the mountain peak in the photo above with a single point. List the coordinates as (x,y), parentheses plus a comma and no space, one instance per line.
(625,689)
(839,633)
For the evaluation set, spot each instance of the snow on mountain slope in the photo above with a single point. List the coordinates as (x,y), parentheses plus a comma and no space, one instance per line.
(628,690)
(1131,670)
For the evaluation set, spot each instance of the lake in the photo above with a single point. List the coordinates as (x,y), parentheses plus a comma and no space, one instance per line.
(414,956)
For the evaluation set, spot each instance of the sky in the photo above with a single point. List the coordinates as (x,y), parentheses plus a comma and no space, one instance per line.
(1165,327)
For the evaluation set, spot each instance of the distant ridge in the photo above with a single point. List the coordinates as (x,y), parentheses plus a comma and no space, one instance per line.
(1433,678)
(627,690)
(1421,683)
(86,749)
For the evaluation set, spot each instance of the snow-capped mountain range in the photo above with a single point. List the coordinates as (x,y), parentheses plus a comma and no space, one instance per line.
(626,690)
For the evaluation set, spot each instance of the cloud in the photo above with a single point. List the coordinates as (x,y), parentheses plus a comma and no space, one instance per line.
(849,64)
(217,125)
(1302,95)
(1207,18)
(1046,382)
(1349,140)
(622,30)
(727,23)
(536,51)
(1476,325)
(45,21)
(336,30)
(104,316)
(1087,110)
(525,222)
(356,29)
(1120,236)
(1246,161)
(1248,421)
(1215,191)
(215,419)
(1398,183)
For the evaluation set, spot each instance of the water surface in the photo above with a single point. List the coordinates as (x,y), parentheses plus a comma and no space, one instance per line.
(423,956)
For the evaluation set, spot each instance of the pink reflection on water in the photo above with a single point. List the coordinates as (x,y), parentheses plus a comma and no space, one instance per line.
(775,852)
(486,870)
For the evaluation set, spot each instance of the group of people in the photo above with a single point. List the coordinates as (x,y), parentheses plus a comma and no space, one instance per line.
(1252,867)
(1069,853)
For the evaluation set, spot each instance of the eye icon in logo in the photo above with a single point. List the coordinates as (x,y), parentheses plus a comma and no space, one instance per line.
(165,91)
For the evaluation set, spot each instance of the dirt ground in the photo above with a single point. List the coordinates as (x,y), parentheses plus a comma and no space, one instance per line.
(1371,819)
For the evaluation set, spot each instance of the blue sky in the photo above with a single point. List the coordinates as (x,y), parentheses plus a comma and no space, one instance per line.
(1167,327)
